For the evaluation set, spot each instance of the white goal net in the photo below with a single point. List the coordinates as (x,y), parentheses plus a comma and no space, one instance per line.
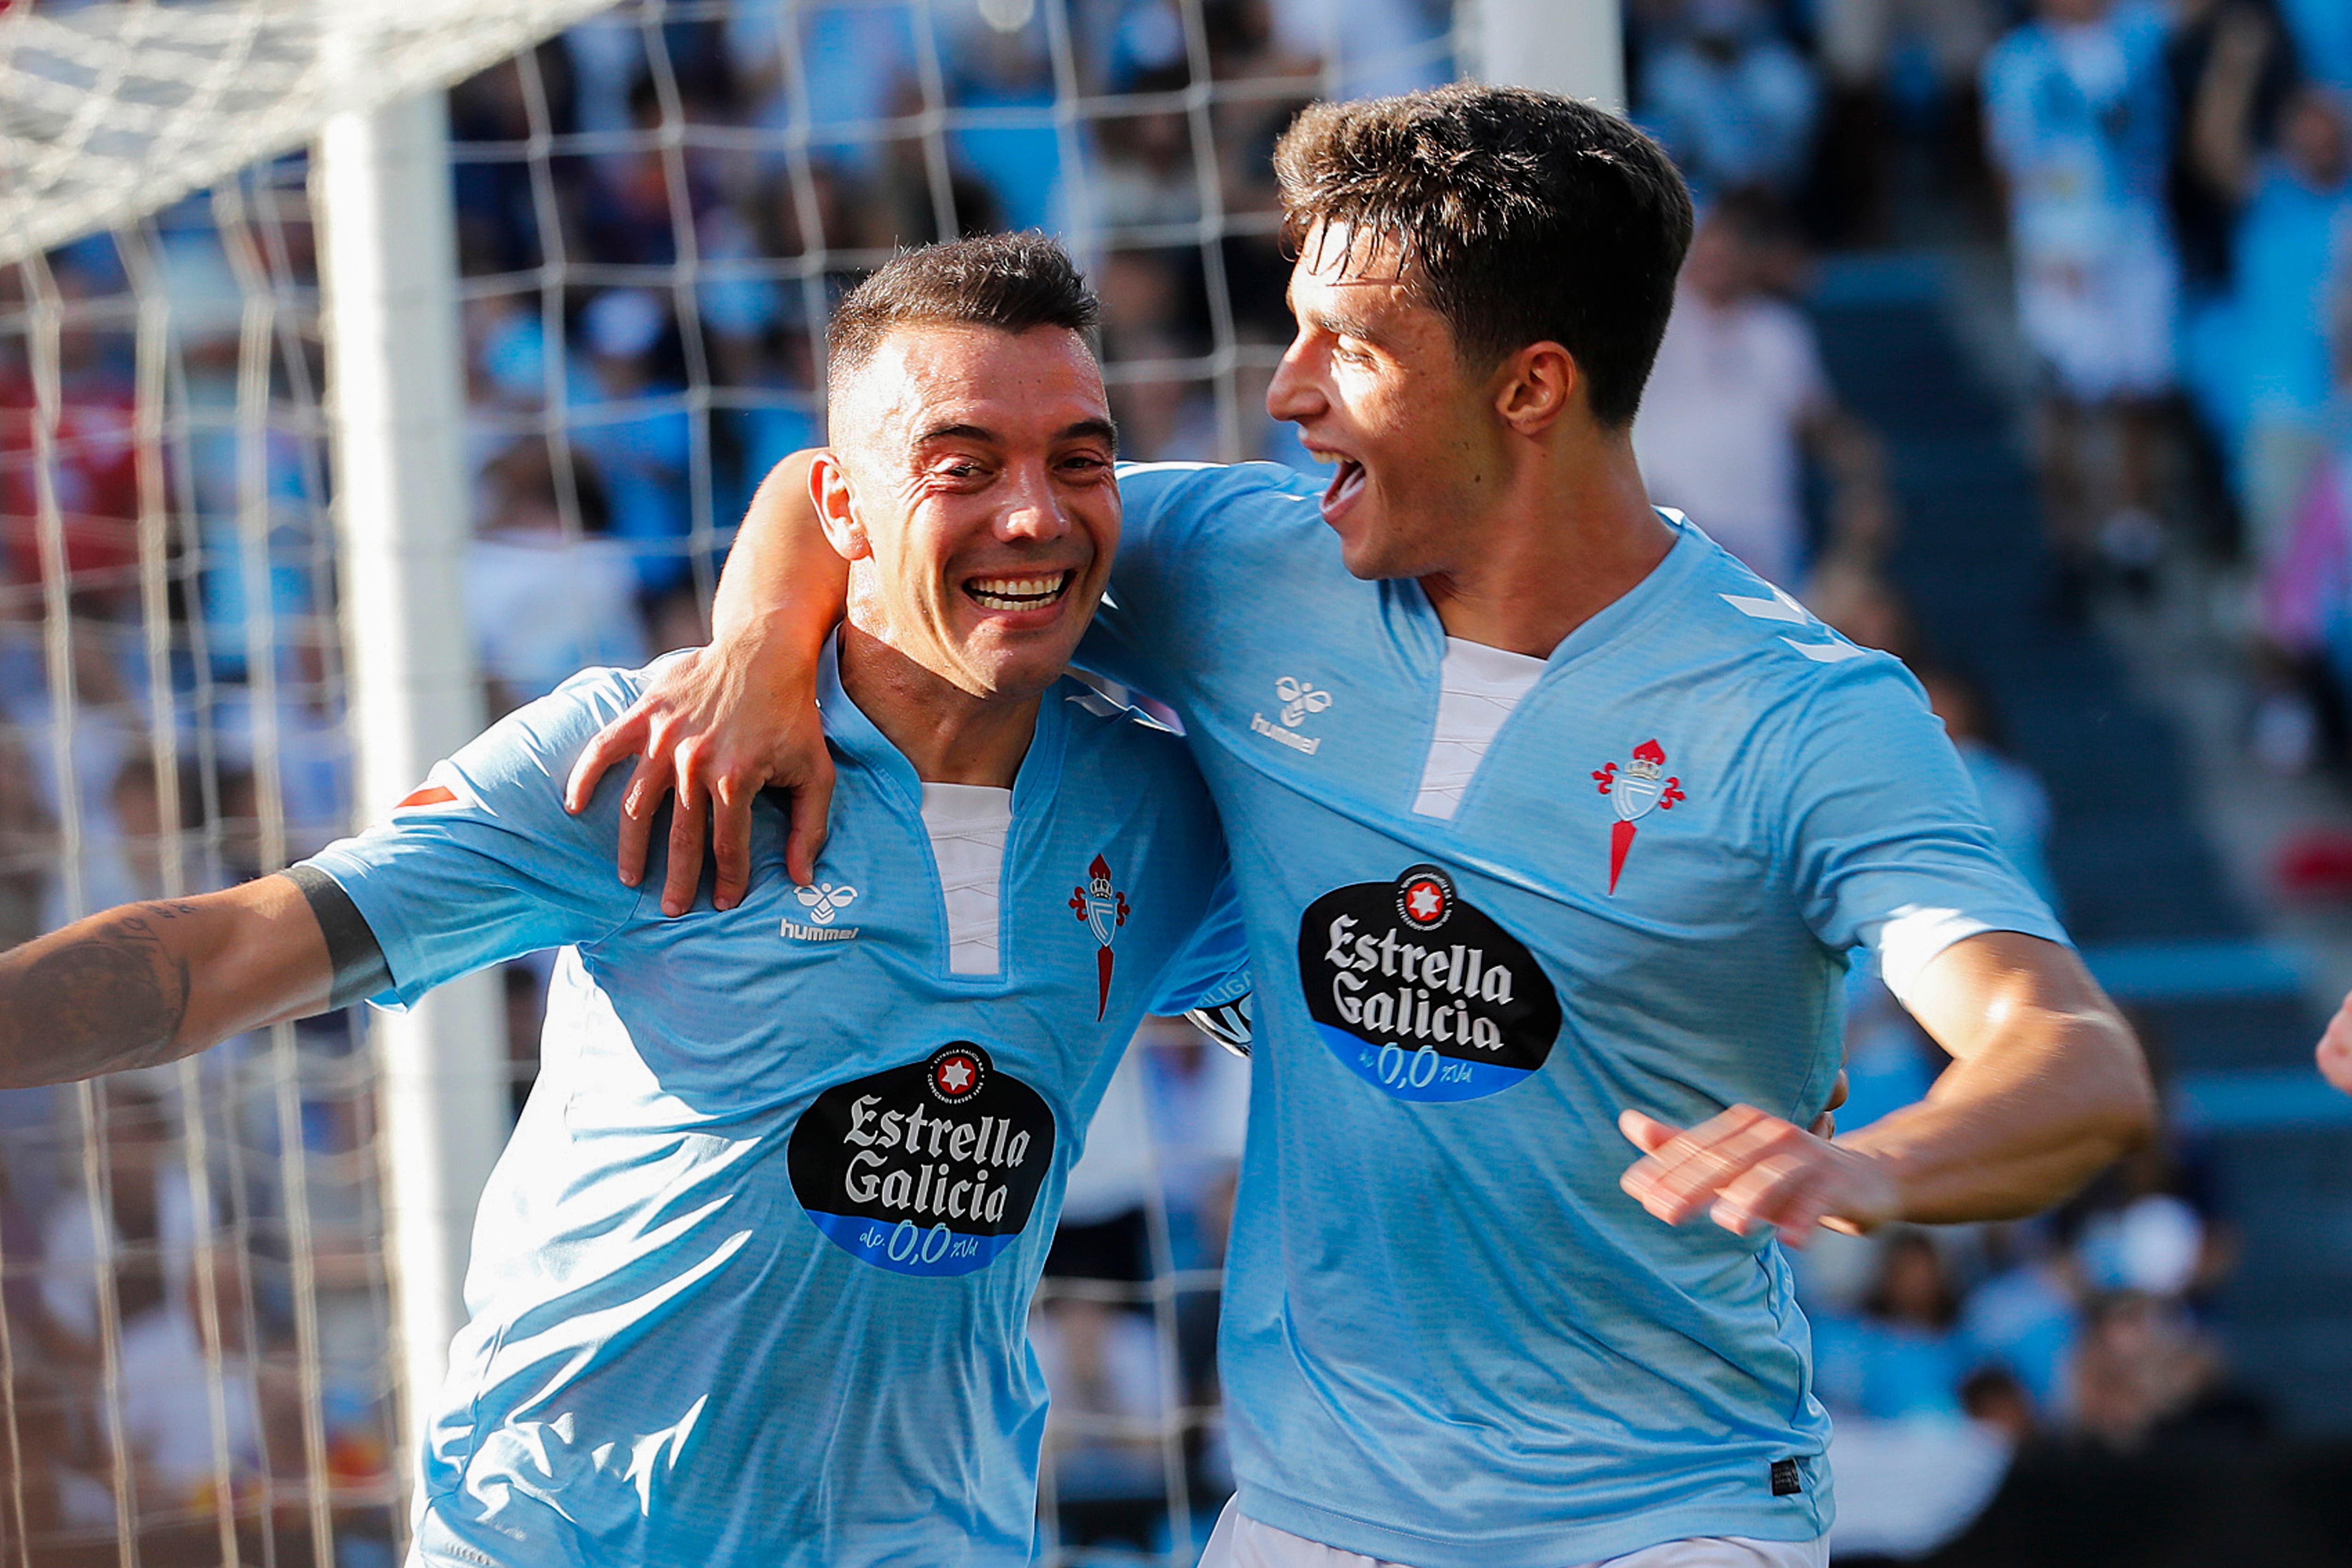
(655,206)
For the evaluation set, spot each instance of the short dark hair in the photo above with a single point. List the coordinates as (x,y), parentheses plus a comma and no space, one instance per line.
(1009,282)
(1519,216)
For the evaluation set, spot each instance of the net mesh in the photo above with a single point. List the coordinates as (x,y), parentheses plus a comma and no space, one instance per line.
(657,208)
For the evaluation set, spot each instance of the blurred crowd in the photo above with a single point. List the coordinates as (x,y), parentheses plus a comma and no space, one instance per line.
(656,211)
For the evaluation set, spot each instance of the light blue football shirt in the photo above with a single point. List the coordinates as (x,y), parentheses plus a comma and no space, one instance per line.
(1449,1339)
(750,1285)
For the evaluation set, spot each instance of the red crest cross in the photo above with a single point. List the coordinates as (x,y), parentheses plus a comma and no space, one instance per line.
(1104,909)
(1637,788)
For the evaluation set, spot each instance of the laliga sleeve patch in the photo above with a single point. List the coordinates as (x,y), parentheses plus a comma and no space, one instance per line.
(929,1168)
(1422,994)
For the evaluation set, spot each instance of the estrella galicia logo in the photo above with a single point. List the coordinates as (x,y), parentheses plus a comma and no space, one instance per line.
(1420,993)
(929,1168)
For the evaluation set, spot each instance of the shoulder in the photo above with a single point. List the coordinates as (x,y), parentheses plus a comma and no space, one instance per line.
(1794,656)
(1201,488)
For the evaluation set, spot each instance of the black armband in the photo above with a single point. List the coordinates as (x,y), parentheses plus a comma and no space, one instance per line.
(352,948)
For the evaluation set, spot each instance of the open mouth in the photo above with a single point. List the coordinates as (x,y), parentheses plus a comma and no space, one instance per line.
(1032,593)
(1344,484)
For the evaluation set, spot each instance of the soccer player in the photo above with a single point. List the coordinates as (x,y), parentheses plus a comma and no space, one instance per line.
(1549,820)
(750,1285)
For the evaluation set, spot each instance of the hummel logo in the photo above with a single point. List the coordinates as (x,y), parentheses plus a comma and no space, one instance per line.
(825,901)
(1299,700)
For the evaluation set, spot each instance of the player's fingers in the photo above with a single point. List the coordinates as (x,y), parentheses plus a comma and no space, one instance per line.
(1764,1193)
(1678,1165)
(623,737)
(1646,1133)
(1825,1126)
(811,801)
(1839,1089)
(1696,1166)
(687,828)
(642,798)
(731,834)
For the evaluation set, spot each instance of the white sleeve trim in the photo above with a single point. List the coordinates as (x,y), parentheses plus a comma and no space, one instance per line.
(1915,934)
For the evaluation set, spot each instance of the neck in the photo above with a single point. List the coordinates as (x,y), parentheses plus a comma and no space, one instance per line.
(1571,533)
(948,734)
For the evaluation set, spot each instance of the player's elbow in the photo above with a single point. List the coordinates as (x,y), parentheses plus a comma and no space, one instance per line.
(2116,1092)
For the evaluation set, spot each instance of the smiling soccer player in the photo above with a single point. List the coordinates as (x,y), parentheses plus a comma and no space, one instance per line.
(1551,821)
(750,1285)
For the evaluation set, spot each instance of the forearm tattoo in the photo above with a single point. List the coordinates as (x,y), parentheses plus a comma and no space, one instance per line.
(107,1001)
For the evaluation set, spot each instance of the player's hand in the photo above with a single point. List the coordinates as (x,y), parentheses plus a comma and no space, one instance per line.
(1744,1168)
(717,726)
(2335,1048)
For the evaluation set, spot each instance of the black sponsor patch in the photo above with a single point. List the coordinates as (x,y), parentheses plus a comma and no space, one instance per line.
(929,1168)
(1422,993)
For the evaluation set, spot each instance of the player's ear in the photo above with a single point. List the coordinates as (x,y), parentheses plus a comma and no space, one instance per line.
(836,508)
(1534,386)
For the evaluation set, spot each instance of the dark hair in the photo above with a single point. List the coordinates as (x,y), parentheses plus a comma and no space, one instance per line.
(1009,282)
(1519,216)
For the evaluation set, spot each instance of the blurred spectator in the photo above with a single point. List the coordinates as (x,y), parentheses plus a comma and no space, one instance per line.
(1729,99)
(2016,806)
(2076,111)
(178,1381)
(1738,398)
(2294,249)
(1993,1395)
(1899,1359)
(545,600)
(2231,68)
(92,476)
(148,1208)
(2142,1364)
(635,426)
(1895,69)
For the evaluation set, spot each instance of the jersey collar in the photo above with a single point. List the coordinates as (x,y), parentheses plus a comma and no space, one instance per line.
(859,742)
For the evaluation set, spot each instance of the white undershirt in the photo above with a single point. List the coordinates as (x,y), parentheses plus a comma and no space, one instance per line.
(968,825)
(1480,687)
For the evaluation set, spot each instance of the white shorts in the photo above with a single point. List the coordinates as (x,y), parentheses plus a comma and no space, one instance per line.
(1242,1542)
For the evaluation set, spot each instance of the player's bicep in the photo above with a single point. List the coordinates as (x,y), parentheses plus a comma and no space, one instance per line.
(1973,992)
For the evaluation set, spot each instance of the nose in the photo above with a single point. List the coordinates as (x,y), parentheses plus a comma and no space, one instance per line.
(1295,392)
(1033,507)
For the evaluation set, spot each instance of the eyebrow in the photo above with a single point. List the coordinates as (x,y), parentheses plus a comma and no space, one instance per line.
(1336,323)
(1102,429)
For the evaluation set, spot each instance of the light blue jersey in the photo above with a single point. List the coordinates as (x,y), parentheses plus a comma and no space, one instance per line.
(1449,1339)
(749,1284)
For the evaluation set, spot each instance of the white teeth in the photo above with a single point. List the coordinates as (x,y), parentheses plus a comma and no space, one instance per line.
(1016,592)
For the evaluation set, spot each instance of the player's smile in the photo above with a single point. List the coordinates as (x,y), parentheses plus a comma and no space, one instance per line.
(1009,598)
(1346,485)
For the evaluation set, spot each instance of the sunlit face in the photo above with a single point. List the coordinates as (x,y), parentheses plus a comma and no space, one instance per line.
(976,500)
(1374,385)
